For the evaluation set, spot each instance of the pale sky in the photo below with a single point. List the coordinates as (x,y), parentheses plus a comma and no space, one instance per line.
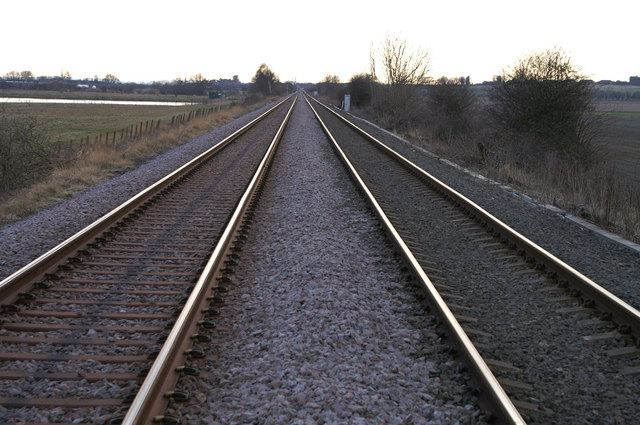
(140,40)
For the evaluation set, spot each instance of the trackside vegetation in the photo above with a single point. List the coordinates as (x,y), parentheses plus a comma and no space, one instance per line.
(536,127)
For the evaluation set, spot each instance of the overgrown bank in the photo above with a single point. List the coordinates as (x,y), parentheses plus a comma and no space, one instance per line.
(534,128)
(597,193)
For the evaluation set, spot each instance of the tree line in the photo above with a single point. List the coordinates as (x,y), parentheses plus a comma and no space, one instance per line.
(264,82)
(195,85)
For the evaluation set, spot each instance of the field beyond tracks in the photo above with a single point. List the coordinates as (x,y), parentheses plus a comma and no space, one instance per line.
(622,138)
(99,95)
(72,122)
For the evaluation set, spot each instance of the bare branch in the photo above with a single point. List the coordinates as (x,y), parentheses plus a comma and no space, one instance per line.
(403,66)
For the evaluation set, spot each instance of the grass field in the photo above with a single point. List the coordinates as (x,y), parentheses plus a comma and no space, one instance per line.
(72,122)
(622,138)
(88,167)
(98,95)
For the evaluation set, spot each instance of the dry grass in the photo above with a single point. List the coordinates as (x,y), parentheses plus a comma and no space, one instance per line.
(76,121)
(101,162)
(596,194)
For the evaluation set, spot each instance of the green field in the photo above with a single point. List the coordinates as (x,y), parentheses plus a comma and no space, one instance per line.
(98,95)
(622,137)
(622,114)
(75,121)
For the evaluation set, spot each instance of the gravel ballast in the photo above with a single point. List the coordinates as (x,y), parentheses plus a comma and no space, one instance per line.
(322,326)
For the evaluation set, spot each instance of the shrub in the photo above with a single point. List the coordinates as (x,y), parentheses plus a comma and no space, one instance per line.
(25,154)
(545,102)
(360,87)
(450,103)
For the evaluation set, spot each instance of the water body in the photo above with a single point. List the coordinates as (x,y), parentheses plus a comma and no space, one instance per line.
(91,101)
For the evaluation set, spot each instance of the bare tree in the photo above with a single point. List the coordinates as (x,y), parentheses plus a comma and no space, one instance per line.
(403,66)
(199,84)
(27,75)
(331,79)
(19,75)
(405,70)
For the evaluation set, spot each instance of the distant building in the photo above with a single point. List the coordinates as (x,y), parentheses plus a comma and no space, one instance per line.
(634,81)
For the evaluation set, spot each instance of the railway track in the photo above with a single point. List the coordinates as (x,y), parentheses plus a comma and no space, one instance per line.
(541,327)
(99,329)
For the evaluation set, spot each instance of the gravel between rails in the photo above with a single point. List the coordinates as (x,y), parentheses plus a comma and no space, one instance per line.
(322,326)
(26,240)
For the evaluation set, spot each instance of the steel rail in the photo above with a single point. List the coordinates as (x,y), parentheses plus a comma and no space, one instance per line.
(153,394)
(625,315)
(499,402)
(17,282)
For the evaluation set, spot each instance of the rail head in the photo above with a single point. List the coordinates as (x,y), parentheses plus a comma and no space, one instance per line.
(12,285)
(622,313)
(494,395)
